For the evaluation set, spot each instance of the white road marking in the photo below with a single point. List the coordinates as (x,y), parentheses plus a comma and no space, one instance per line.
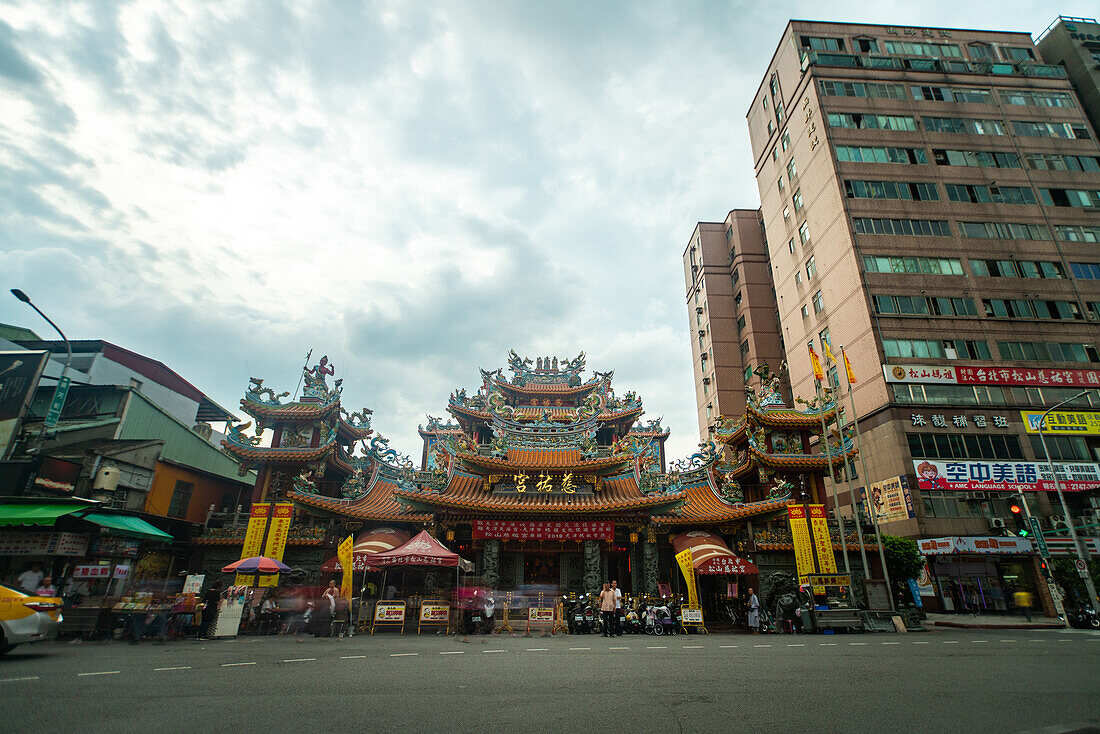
(922,643)
(486,651)
(298,660)
(828,644)
(414,654)
(13,680)
(537,649)
(452,652)
(891,643)
(351,657)
(657,647)
(693,647)
(618,648)
(1036,640)
(1065,640)
(797,645)
(857,643)
(727,646)
(102,672)
(233,665)
(761,645)
(950,642)
(1009,640)
(978,642)
(178,667)
(580,648)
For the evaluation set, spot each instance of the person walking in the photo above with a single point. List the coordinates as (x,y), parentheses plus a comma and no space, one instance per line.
(754,612)
(1022,599)
(618,608)
(607,609)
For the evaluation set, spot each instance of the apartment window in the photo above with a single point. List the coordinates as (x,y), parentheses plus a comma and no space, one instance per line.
(963,126)
(963,446)
(833,375)
(1077,233)
(819,302)
(1030,98)
(740,323)
(862,89)
(796,199)
(706,388)
(956,94)
(1020,308)
(708,413)
(775,153)
(811,267)
(870,154)
(737,299)
(891,190)
(866,45)
(817,43)
(181,498)
(1078,198)
(909,227)
(888,305)
(785,139)
(1017,269)
(1066,130)
(1017,54)
(736,277)
(792,170)
(1047,352)
(1056,162)
(804,233)
(771,128)
(936,265)
(981,51)
(780,185)
(790,245)
(805,312)
(858,121)
(975,158)
(786,214)
(936,50)
(935,349)
(798,277)
(1085,271)
(744,350)
(1003,231)
(977,194)
(1061,448)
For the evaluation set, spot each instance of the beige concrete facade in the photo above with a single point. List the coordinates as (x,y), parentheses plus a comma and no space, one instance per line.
(946,138)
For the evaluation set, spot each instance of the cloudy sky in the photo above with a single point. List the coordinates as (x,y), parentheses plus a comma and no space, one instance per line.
(412,188)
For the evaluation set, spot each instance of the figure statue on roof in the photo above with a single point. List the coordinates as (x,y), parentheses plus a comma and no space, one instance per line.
(321,369)
(555,367)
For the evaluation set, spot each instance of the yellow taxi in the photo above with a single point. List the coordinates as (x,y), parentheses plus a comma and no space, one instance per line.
(26,618)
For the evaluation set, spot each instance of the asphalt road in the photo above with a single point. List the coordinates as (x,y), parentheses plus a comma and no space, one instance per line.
(941,681)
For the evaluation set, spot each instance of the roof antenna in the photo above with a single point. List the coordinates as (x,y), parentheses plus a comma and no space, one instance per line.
(304,368)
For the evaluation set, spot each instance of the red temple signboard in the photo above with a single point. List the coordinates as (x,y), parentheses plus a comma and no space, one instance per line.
(537,530)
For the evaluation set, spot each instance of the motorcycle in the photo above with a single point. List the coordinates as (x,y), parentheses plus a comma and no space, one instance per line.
(634,619)
(1083,618)
(480,618)
(582,616)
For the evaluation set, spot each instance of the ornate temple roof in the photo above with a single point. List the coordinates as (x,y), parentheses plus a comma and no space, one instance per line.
(379,503)
(528,458)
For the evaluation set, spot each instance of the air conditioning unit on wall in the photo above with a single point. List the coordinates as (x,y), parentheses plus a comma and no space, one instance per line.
(996,522)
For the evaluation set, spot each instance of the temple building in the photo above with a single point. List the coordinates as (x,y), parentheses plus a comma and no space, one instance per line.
(551,481)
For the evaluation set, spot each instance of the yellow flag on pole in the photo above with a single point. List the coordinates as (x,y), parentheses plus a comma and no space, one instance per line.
(344,554)
(828,352)
(815,363)
(848,367)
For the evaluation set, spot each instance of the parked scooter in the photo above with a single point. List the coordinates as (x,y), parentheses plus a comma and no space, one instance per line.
(1083,618)
(659,620)
(479,619)
(633,618)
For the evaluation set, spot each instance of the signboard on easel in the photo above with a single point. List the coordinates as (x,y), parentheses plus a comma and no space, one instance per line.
(389,614)
(433,612)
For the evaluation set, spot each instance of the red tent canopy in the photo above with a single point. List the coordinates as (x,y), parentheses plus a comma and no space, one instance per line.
(369,542)
(710,554)
(423,550)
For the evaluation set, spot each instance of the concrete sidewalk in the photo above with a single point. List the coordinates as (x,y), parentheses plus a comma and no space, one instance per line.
(993,621)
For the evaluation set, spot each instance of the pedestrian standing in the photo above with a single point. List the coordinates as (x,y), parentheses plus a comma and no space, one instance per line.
(46,588)
(30,579)
(1023,601)
(754,612)
(210,602)
(607,609)
(618,608)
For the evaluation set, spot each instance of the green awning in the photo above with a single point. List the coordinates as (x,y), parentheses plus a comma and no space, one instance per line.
(43,514)
(134,527)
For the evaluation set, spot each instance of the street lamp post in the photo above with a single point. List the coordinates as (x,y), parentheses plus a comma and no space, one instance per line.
(1078,545)
(62,383)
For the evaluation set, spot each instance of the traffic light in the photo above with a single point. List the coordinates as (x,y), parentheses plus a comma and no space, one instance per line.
(1021,524)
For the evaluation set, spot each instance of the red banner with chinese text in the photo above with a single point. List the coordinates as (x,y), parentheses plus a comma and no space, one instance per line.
(538,530)
(1021,376)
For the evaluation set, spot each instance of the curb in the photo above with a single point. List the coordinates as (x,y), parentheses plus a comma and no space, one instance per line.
(1035,626)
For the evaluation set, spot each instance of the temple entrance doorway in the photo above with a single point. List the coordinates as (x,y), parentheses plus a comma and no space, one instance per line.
(541,568)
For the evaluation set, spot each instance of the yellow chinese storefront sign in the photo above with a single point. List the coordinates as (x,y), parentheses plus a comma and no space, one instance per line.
(1062,422)
(800,534)
(253,538)
(277,532)
(823,542)
(688,569)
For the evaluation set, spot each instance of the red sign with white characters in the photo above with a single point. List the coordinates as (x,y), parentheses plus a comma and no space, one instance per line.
(1021,376)
(537,530)
(727,565)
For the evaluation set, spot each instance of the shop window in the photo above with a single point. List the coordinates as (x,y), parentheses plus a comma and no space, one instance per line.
(181,498)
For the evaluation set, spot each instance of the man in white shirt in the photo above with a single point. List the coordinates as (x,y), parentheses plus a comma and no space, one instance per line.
(30,579)
(618,608)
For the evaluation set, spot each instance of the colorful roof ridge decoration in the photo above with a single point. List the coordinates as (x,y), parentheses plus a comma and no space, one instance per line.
(545,369)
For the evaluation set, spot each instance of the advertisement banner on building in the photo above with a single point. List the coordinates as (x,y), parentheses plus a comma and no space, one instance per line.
(92,572)
(1004,476)
(253,539)
(823,542)
(1008,545)
(277,532)
(57,474)
(951,375)
(1063,422)
(688,569)
(537,530)
(890,499)
(800,535)
(43,544)
(19,374)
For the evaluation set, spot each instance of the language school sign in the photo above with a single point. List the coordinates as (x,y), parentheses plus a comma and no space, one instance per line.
(532,530)
(1004,476)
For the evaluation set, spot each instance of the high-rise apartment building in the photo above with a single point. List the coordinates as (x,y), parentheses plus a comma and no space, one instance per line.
(1074,44)
(931,201)
(731,312)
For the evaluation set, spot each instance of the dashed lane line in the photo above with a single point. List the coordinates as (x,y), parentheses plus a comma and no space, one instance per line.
(761,645)
(978,642)
(1009,640)
(235,665)
(829,644)
(857,643)
(453,652)
(693,647)
(178,667)
(796,645)
(726,646)
(950,642)
(351,657)
(488,651)
(926,642)
(580,648)
(656,647)
(299,660)
(410,654)
(891,643)
(102,672)
(16,680)
(618,648)
(538,649)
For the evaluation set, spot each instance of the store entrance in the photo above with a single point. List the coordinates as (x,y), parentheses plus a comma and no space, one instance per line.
(541,568)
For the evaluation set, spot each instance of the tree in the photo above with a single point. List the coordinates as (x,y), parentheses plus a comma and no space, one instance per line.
(903,560)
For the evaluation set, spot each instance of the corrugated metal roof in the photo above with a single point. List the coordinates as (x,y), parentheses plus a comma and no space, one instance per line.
(144,420)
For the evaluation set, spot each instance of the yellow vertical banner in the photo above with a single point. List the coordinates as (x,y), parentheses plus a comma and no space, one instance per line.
(277,532)
(823,542)
(684,559)
(253,539)
(344,554)
(800,535)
